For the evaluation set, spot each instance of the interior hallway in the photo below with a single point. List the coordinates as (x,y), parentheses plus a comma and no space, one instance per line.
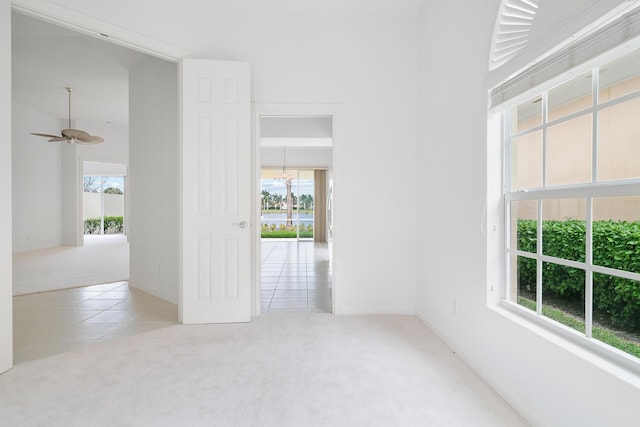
(295,277)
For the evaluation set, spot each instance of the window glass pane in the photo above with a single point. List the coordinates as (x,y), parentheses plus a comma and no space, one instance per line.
(526,161)
(571,97)
(287,203)
(92,184)
(563,295)
(618,142)
(524,225)
(103,204)
(620,77)
(113,185)
(616,233)
(616,312)
(523,281)
(569,151)
(526,115)
(563,228)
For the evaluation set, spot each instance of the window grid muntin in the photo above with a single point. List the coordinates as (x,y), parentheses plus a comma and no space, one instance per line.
(545,133)
(573,115)
(588,191)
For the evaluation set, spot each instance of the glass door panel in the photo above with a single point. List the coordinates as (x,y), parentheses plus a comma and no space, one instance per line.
(287,203)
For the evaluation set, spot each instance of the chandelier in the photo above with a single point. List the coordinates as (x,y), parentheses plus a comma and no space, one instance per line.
(284,174)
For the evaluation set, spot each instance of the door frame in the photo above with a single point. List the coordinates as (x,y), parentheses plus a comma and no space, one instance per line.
(90,26)
(292,110)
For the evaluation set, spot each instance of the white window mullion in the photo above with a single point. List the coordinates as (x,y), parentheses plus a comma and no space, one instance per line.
(595,80)
(588,291)
(539,264)
(506,182)
(508,258)
(539,260)
(507,139)
(545,127)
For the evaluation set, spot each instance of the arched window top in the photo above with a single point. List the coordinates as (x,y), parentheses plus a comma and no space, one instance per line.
(511,33)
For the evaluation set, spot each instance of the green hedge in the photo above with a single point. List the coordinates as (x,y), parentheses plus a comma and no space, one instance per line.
(112,225)
(616,244)
(274,231)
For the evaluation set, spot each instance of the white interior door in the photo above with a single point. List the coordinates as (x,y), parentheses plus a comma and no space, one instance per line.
(216,237)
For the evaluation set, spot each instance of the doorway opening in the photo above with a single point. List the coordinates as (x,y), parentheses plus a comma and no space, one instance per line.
(104,199)
(65,294)
(295,174)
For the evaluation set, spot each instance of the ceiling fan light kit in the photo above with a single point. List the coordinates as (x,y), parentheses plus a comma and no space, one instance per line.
(71,136)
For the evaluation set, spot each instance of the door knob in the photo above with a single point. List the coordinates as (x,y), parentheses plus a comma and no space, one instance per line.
(241,224)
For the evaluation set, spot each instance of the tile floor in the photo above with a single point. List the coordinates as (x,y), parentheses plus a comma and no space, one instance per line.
(54,322)
(295,277)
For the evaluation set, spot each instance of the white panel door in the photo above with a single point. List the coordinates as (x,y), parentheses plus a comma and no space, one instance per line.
(216,237)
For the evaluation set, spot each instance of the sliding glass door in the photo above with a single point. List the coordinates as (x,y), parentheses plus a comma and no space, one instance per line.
(287,201)
(103,204)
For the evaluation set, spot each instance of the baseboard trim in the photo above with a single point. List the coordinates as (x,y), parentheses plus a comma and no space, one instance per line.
(151,292)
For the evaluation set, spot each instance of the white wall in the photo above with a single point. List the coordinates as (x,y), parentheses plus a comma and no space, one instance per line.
(36,192)
(114,149)
(547,381)
(6,308)
(70,187)
(154,179)
(317,157)
(367,63)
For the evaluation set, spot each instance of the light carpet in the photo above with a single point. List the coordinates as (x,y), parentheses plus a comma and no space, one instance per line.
(305,370)
(102,259)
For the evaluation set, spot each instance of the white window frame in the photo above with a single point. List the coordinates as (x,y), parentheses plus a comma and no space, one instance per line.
(587,191)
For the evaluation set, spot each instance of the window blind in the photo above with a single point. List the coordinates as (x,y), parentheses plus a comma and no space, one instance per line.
(617,33)
(512,30)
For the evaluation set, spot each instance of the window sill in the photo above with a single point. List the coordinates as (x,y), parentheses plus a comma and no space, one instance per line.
(616,362)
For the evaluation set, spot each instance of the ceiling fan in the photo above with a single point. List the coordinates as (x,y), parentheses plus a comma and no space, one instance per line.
(72,136)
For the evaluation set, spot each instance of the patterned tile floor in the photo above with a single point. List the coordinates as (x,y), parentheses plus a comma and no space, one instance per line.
(54,322)
(295,277)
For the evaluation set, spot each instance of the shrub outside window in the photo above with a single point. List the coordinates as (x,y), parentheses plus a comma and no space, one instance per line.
(572,205)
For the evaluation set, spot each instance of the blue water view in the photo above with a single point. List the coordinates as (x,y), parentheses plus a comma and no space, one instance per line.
(281,218)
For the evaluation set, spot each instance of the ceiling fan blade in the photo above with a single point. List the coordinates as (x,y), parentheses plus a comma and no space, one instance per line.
(46,135)
(72,135)
(91,140)
(75,134)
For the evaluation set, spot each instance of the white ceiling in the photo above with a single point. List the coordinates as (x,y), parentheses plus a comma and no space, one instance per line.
(47,58)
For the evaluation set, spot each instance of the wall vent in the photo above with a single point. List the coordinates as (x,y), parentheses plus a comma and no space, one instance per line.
(511,32)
